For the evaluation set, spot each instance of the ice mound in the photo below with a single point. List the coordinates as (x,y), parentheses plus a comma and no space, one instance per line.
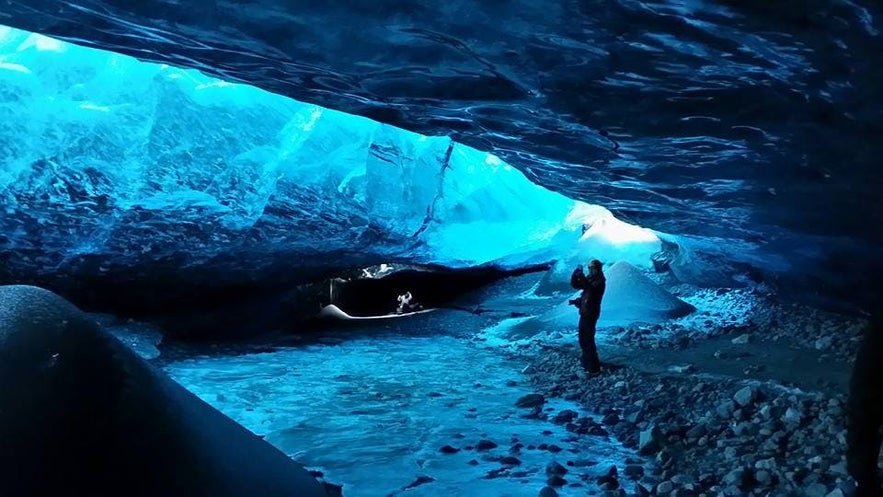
(631,297)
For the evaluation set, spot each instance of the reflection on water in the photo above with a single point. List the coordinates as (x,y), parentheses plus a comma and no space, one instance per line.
(372,413)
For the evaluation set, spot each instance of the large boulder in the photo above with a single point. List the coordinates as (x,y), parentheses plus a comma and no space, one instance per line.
(82,414)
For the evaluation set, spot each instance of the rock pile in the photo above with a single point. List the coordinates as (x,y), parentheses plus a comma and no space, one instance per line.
(705,437)
(837,336)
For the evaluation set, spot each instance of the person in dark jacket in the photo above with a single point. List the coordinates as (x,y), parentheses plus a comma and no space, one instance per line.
(589,304)
(865,412)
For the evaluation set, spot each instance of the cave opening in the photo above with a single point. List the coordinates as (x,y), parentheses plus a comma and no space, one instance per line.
(430,287)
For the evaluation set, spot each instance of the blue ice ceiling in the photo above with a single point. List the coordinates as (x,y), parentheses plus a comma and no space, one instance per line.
(750,127)
(109,162)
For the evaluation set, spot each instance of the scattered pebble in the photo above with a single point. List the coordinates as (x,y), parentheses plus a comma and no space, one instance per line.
(485,445)
(531,400)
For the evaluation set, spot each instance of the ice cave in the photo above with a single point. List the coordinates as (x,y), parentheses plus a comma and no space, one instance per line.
(371,249)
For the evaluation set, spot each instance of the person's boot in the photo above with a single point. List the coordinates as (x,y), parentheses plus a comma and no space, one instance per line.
(592,366)
(588,372)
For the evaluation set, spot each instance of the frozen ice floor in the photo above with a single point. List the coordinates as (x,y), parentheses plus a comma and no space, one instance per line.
(372,412)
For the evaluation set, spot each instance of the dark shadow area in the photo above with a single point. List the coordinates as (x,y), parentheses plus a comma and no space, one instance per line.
(148,287)
(865,412)
(430,287)
(188,307)
(81,414)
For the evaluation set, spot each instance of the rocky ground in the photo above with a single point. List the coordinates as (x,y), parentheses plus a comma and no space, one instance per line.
(746,396)
(732,409)
(752,317)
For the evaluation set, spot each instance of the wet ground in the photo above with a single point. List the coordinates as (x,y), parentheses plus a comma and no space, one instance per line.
(374,407)
(373,412)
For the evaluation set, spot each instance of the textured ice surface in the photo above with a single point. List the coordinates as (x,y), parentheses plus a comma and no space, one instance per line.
(373,413)
(631,296)
(105,160)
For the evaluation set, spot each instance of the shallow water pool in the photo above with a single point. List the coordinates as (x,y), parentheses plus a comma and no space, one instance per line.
(373,412)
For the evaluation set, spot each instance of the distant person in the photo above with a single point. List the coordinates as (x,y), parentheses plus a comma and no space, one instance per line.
(406,303)
(589,304)
(865,412)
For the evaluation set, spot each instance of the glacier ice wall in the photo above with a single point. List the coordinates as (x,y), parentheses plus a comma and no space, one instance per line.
(107,162)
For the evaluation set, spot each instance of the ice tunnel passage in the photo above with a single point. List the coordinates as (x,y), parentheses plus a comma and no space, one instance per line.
(159,189)
(139,188)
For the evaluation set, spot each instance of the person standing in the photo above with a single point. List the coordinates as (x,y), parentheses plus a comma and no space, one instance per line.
(589,304)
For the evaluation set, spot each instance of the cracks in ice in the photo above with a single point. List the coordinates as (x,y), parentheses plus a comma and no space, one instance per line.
(430,209)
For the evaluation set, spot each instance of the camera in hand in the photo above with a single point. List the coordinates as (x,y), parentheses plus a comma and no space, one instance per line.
(574,302)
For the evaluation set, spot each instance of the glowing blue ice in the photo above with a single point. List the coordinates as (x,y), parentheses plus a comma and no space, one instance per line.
(104,155)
